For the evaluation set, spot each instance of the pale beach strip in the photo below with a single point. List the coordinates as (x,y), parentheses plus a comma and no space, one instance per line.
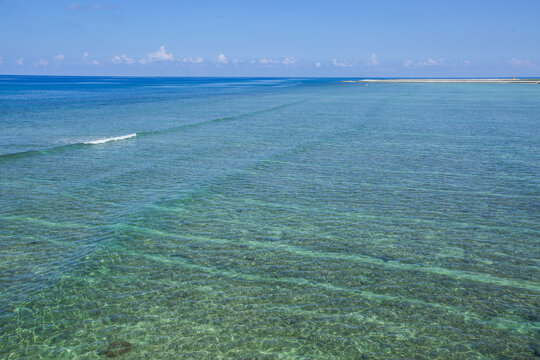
(446,81)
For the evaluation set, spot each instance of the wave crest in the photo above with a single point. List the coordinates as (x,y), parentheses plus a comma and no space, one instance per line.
(102,141)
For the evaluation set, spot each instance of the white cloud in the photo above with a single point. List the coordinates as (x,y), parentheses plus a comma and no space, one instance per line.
(433,62)
(115,60)
(337,63)
(268,61)
(0,60)
(59,57)
(520,62)
(222,59)
(20,61)
(122,59)
(289,61)
(466,63)
(424,63)
(43,62)
(373,61)
(198,60)
(160,55)
(318,64)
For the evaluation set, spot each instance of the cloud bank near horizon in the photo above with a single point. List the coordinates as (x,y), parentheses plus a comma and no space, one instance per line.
(162,55)
(165,60)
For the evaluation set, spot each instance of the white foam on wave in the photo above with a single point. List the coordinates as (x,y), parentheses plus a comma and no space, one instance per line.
(102,141)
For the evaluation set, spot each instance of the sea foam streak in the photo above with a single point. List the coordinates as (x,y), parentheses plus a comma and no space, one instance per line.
(101,141)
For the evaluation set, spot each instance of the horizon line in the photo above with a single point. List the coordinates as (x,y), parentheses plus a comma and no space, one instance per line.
(279,77)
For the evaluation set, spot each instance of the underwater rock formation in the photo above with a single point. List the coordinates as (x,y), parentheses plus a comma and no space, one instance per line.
(118,348)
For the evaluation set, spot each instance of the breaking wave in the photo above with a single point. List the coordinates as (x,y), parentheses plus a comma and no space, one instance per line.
(102,141)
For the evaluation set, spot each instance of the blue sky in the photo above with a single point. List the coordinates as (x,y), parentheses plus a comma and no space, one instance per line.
(271,38)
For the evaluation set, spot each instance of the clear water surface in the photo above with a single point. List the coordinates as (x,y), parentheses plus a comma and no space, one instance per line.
(268,219)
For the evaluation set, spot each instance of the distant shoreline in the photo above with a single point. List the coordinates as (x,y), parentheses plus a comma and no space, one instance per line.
(445,81)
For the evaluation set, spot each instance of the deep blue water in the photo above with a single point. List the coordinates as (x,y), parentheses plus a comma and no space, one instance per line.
(268,218)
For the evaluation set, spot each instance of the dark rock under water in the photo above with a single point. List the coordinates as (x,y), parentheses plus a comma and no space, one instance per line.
(118,348)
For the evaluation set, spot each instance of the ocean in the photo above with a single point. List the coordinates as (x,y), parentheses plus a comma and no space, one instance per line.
(268,218)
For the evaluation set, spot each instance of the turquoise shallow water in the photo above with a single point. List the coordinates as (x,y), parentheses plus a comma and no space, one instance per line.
(268,219)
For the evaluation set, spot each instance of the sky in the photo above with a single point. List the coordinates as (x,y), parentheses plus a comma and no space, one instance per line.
(376,38)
